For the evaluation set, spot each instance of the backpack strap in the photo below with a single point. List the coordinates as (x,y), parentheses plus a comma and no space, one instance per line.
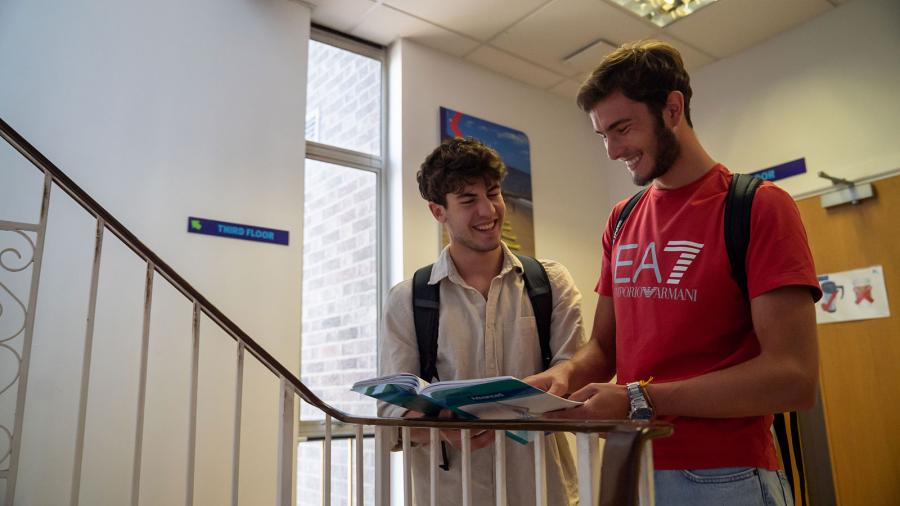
(623,214)
(737,224)
(426,304)
(426,314)
(738,205)
(537,284)
(787,438)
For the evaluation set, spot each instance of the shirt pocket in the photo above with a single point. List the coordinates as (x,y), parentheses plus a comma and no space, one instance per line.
(526,329)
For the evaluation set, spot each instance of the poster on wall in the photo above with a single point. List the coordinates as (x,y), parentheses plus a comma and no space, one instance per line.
(853,295)
(514,149)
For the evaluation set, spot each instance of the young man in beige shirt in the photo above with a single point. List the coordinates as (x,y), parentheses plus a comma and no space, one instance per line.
(486,325)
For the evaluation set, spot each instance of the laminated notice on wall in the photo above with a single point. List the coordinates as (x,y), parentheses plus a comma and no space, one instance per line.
(853,295)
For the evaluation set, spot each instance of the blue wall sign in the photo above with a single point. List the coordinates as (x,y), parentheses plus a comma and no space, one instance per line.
(236,231)
(782,171)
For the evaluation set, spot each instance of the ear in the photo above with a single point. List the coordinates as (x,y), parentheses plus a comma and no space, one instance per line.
(673,111)
(438,211)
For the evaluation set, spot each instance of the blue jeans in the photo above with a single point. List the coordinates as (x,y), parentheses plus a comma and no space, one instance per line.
(731,486)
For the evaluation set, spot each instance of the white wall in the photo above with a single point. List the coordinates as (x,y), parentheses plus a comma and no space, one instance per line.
(568,180)
(160,110)
(826,90)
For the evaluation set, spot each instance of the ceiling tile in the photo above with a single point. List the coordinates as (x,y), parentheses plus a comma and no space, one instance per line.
(514,67)
(693,59)
(481,19)
(341,15)
(727,27)
(587,59)
(563,27)
(567,89)
(385,24)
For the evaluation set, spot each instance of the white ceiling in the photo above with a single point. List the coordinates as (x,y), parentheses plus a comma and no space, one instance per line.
(552,44)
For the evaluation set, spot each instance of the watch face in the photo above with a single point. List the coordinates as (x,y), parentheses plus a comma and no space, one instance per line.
(641,414)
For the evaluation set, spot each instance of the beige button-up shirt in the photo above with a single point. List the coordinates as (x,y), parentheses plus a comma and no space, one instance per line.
(480,338)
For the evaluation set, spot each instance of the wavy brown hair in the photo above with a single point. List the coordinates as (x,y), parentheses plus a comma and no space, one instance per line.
(645,71)
(456,163)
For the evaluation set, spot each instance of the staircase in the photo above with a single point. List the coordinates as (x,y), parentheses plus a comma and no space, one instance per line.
(120,383)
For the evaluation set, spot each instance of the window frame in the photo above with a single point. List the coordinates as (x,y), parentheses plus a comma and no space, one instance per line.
(314,429)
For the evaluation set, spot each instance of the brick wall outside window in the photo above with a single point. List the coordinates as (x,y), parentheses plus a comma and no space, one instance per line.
(340,289)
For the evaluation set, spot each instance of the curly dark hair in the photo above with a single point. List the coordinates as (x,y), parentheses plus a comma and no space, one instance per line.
(456,163)
(645,71)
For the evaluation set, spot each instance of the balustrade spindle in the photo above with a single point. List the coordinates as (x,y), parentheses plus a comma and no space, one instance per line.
(192,427)
(326,463)
(360,489)
(142,389)
(86,365)
(540,469)
(465,435)
(236,437)
(500,451)
(433,449)
(407,466)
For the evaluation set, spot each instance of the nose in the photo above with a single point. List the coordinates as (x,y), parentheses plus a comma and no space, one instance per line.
(485,207)
(613,149)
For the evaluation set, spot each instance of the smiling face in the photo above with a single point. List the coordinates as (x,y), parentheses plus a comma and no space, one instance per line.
(636,136)
(473,216)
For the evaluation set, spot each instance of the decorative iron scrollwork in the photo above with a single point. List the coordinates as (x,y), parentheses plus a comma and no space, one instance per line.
(14,251)
(11,260)
(6,253)
(4,458)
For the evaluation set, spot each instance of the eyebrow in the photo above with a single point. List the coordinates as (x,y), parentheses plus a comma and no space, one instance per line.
(614,125)
(463,195)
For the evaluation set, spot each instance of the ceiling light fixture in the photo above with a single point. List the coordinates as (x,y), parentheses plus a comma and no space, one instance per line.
(663,12)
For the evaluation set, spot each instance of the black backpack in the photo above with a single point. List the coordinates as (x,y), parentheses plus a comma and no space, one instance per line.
(426,306)
(737,238)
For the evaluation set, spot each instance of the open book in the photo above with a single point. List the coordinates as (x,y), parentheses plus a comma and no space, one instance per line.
(498,398)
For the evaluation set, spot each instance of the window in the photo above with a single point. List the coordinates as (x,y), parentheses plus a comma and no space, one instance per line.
(341,247)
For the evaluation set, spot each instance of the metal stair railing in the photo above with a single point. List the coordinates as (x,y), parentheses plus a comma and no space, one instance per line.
(627,461)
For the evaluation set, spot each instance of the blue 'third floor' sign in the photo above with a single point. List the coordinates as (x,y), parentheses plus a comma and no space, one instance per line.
(782,171)
(236,231)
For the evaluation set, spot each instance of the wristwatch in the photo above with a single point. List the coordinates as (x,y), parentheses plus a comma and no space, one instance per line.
(640,406)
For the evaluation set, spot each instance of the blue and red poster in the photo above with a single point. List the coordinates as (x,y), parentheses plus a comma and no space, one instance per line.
(515,150)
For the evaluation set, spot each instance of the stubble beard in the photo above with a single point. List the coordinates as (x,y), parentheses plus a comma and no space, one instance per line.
(667,152)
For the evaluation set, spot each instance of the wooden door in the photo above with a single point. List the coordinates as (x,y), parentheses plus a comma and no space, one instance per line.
(860,360)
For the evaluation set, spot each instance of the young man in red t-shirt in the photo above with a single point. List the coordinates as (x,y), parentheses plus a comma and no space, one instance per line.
(721,362)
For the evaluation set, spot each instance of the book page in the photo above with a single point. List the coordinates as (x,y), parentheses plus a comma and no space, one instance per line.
(508,397)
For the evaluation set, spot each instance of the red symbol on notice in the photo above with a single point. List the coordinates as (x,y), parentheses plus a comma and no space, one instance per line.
(863,292)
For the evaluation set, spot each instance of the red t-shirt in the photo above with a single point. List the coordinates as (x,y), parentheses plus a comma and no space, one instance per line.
(679,313)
